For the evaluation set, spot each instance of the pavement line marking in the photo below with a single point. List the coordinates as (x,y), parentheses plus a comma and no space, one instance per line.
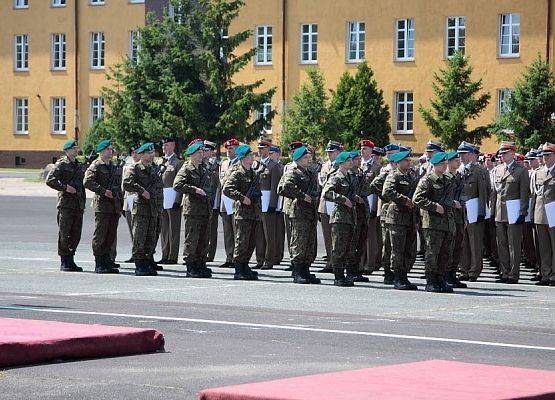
(284,327)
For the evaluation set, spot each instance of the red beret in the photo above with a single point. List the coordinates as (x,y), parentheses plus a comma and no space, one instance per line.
(231,142)
(295,145)
(367,143)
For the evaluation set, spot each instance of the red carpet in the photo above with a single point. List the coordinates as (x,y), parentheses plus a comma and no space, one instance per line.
(435,379)
(26,341)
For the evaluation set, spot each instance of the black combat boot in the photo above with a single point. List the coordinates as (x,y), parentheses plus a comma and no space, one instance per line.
(74,267)
(409,284)
(432,285)
(64,264)
(204,270)
(399,283)
(240,273)
(445,287)
(193,270)
(155,265)
(299,276)
(388,276)
(227,264)
(454,281)
(340,279)
(112,263)
(250,272)
(327,270)
(101,265)
(142,268)
(354,275)
(311,277)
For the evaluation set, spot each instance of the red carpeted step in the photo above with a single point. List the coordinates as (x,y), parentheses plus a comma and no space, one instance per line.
(26,341)
(435,379)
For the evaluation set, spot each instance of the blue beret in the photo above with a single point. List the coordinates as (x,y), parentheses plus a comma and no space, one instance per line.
(275,149)
(434,146)
(451,155)
(397,157)
(70,144)
(355,154)
(438,158)
(298,153)
(194,148)
(342,157)
(242,151)
(391,147)
(145,148)
(103,145)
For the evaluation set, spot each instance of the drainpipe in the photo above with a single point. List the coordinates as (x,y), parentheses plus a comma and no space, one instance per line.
(548,33)
(283,47)
(76,75)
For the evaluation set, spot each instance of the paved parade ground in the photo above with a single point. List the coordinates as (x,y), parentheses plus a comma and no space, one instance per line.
(222,332)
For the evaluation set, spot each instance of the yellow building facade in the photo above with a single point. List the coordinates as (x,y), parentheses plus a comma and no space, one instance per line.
(403,41)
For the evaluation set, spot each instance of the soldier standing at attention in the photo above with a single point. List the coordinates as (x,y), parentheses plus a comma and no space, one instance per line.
(193,180)
(292,147)
(104,179)
(128,197)
(145,180)
(67,178)
(275,154)
(212,163)
(243,186)
(401,218)
(511,182)
(297,186)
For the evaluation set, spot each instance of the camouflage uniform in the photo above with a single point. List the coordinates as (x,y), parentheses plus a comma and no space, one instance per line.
(362,189)
(458,218)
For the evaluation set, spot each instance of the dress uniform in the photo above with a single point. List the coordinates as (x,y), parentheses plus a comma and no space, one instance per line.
(275,153)
(299,186)
(194,182)
(490,244)
(213,165)
(127,196)
(511,182)
(401,218)
(291,147)
(543,193)
(145,181)
(170,221)
(243,187)
(67,178)
(529,242)
(104,179)
(227,219)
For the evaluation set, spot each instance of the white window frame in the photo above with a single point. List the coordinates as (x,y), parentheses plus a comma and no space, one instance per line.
(96,2)
(264,44)
(503,96)
(22,48)
(356,30)
(134,46)
(58,116)
(20,4)
(406,38)
(457,29)
(512,27)
(58,49)
(24,108)
(312,39)
(96,109)
(101,51)
(405,102)
(58,3)
(136,1)
(266,109)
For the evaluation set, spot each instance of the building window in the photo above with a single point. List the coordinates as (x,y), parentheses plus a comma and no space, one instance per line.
(21,3)
(97,109)
(404,112)
(58,3)
(503,96)
(59,115)
(21,52)
(264,43)
(263,114)
(96,2)
(456,35)
(21,115)
(405,40)
(309,43)
(357,39)
(59,51)
(134,46)
(97,50)
(136,1)
(509,35)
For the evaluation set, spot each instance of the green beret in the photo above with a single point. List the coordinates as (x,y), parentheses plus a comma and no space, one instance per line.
(438,158)
(342,157)
(398,157)
(70,144)
(451,155)
(242,151)
(194,148)
(103,145)
(298,153)
(354,154)
(145,148)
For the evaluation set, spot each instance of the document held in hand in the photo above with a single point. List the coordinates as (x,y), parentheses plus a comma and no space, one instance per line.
(330,206)
(228,204)
(513,210)
(169,198)
(550,211)
(472,206)
(373,202)
(266,200)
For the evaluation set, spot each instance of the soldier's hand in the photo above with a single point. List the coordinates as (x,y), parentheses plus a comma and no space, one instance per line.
(439,209)
(408,203)
(70,189)
(146,195)
(359,200)
(457,204)
(247,201)
(108,193)
(200,192)
(170,168)
(307,198)
(348,203)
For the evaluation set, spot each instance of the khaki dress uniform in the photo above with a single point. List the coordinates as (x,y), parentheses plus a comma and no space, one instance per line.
(170,223)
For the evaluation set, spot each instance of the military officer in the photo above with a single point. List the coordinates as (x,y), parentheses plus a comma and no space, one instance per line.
(529,241)
(512,189)
(145,181)
(291,147)
(67,178)
(104,178)
(194,181)
(490,245)
(401,219)
(298,186)
(213,164)
(275,154)
(128,197)
(243,187)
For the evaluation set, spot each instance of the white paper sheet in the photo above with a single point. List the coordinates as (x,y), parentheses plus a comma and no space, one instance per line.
(129,202)
(279,203)
(330,206)
(529,215)
(373,202)
(472,206)
(550,211)
(488,213)
(228,204)
(513,210)
(266,200)
(169,198)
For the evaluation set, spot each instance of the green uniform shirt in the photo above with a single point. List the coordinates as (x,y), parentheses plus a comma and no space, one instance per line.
(339,188)
(187,181)
(295,184)
(237,186)
(100,177)
(397,188)
(141,178)
(64,173)
(431,191)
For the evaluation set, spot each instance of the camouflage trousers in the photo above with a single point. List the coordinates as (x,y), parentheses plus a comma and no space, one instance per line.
(195,241)
(403,247)
(70,224)
(456,248)
(245,239)
(145,236)
(301,248)
(341,244)
(386,247)
(359,239)
(437,244)
(105,233)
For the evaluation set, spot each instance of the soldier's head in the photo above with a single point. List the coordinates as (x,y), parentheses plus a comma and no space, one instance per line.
(533,158)
(146,153)
(366,147)
(489,161)
(133,153)
(196,152)
(391,149)
(301,156)
(453,161)
(468,152)
(439,161)
(209,149)
(105,150)
(245,156)
(333,149)
(264,148)
(71,149)
(548,154)
(343,161)
(400,160)
(507,152)
(230,147)
(433,147)
(355,156)
(275,153)
(168,146)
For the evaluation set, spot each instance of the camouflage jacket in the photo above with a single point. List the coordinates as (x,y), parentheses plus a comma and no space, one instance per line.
(295,184)
(431,191)
(100,177)
(338,189)
(397,188)
(187,181)
(64,173)
(237,186)
(458,186)
(361,181)
(141,178)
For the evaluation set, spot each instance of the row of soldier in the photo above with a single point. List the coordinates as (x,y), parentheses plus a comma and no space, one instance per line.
(370,213)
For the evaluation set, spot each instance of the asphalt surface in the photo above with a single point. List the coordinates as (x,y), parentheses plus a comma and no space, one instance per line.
(220,332)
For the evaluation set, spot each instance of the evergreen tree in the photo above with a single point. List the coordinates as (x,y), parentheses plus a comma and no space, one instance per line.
(457,100)
(531,108)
